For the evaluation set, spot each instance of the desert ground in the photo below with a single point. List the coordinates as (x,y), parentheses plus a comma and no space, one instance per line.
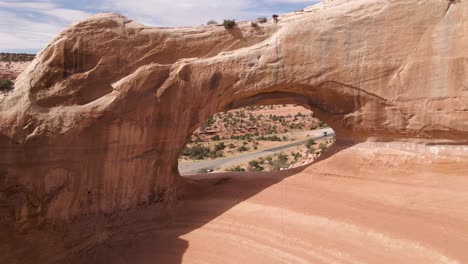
(11,65)
(253,130)
(413,211)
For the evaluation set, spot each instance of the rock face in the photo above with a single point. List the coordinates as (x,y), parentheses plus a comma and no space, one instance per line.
(96,122)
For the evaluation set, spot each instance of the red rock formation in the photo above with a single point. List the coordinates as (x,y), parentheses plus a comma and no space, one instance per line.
(95,124)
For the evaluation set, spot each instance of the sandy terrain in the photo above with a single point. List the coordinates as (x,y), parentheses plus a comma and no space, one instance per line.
(338,210)
(11,70)
(397,216)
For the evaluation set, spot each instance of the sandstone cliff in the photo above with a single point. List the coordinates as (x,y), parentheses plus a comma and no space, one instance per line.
(96,122)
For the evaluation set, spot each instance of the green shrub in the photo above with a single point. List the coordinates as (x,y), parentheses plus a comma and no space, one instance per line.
(212,22)
(262,20)
(310,142)
(229,23)
(197,152)
(297,156)
(242,149)
(283,158)
(255,166)
(220,146)
(323,146)
(312,150)
(236,168)
(216,154)
(215,138)
(253,24)
(6,86)
(207,123)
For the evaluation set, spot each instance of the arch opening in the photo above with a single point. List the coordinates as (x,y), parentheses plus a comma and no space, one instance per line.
(272,135)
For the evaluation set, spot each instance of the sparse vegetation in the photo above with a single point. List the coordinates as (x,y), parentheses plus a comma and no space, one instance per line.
(310,142)
(236,168)
(220,146)
(255,166)
(280,163)
(255,128)
(16,57)
(242,148)
(229,23)
(212,22)
(207,123)
(253,24)
(6,86)
(262,20)
(323,146)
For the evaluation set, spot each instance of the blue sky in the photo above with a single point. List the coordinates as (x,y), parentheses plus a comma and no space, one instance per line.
(27,26)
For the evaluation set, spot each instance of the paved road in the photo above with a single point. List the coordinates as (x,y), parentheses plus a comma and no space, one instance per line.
(188,168)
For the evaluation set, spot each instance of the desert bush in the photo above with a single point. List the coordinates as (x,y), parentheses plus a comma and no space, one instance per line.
(311,150)
(236,168)
(323,146)
(216,154)
(297,156)
(207,123)
(281,162)
(197,152)
(242,149)
(212,22)
(282,158)
(215,138)
(220,146)
(6,86)
(253,24)
(262,19)
(229,23)
(322,124)
(310,142)
(255,166)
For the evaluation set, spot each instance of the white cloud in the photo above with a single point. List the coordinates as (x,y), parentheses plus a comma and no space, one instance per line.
(195,12)
(179,13)
(30,25)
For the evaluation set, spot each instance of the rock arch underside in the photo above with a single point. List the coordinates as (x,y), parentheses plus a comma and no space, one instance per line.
(95,124)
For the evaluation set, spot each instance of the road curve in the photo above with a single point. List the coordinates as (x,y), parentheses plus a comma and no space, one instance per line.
(189,168)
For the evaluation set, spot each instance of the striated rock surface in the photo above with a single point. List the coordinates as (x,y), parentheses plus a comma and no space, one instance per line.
(96,122)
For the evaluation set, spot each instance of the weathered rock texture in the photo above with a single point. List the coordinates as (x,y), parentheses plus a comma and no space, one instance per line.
(97,121)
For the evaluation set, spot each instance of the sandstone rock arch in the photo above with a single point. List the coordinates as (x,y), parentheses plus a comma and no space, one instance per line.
(97,121)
